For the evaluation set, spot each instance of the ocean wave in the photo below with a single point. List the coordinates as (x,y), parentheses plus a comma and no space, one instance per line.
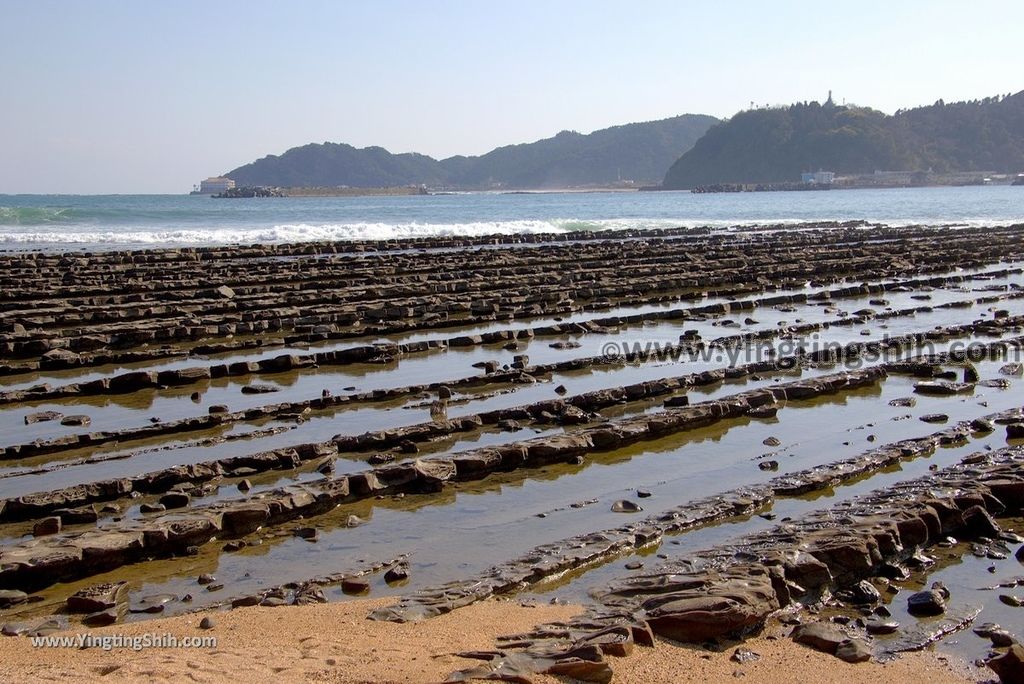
(63,235)
(31,216)
(300,232)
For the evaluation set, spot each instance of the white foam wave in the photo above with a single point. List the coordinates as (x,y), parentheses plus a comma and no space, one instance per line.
(300,232)
(45,237)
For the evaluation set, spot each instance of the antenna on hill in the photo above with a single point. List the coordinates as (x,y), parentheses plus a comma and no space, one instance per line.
(829,102)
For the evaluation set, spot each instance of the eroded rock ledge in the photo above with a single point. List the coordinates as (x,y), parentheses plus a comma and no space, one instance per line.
(551,560)
(45,560)
(729,591)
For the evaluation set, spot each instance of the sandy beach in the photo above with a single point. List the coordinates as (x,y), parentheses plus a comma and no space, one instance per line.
(335,643)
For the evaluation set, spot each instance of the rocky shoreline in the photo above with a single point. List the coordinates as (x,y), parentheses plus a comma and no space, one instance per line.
(468,382)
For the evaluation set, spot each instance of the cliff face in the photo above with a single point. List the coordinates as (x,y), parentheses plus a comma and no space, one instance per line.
(640,152)
(776,145)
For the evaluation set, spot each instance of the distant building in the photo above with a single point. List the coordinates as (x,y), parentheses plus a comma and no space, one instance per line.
(214,185)
(818,177)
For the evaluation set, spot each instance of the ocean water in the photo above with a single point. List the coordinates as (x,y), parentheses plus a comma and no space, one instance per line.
(93,222)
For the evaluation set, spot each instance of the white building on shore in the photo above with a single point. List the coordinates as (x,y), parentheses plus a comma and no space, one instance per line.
(214,185)
(818,177)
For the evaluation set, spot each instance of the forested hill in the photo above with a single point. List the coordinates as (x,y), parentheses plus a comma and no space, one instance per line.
(777,144)
(641,152)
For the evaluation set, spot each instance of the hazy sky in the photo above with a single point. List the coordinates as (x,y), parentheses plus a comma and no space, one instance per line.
(151,96)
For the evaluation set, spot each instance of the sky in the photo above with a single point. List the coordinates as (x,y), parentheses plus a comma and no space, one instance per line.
(151,97)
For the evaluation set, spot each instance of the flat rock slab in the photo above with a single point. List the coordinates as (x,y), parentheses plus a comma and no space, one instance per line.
(98,598)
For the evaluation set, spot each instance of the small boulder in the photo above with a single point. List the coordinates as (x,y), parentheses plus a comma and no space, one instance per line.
(397,573)
(42,417)
(98,598)
(1009,665)
(853,651)
(11,597)
(626,506)
(820,636)
(355,585)
(928,602)
(46,526)
(175,500)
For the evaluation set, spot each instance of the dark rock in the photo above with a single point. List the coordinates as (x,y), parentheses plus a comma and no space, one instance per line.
(1000,637)
(355,585)
(879,626)
(1009,665)
(861,594)
(175,500)
(763,412)
(942,388)
(772,441)
(713,606)
(820,636)
(979,523)
(153,604)
(928,602)
(46,526)
(309,594)
(98,598)
(893,571)
(101,618)
(934,418)
(246,601)
(259,389)
(42,417)
(152,508)
(626,506)
(1012,600)
(76,421)
(853,651)
(272,602)
(11,597)
(77,516)
(982,425)
(397,573)
(207,623)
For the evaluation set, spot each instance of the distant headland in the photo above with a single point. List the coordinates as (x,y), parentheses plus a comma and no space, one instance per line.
(807,145)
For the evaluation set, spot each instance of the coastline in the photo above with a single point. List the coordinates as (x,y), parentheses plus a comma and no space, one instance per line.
(335,643)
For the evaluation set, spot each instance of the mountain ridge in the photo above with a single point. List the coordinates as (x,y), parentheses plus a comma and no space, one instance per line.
(638,151)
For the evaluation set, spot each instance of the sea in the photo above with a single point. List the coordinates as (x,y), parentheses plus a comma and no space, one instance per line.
(106,222)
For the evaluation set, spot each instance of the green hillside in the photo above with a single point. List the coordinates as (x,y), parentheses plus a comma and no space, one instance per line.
(775,145)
